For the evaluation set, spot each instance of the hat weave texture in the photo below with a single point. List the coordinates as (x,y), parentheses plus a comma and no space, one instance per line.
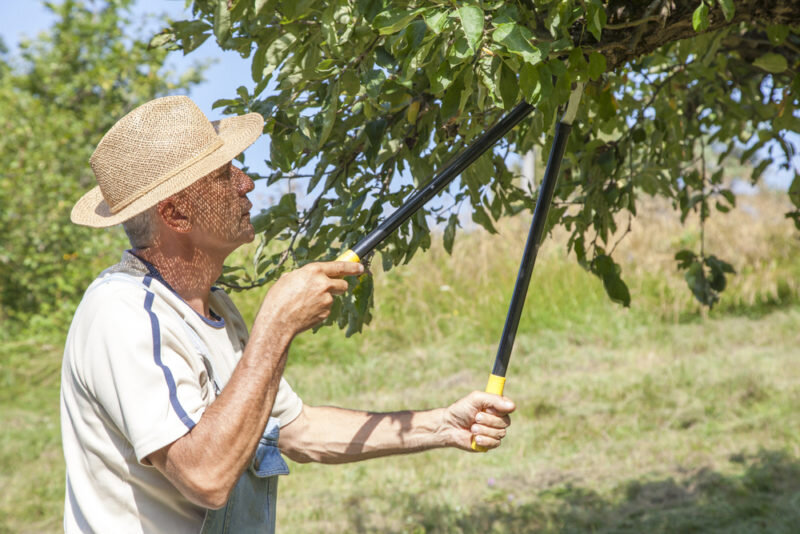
(155,151)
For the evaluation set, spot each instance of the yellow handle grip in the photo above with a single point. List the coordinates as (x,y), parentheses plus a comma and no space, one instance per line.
(495,385)
(350,256)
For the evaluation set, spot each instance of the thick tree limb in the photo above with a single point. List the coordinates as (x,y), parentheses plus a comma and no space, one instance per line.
(674,22)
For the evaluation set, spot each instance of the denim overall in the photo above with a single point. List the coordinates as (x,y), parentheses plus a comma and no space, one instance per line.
(251,505)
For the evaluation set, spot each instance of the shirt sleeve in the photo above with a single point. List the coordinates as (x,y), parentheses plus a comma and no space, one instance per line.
(287,405)
(140,370)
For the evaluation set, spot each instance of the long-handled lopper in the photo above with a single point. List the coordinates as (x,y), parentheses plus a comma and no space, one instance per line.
(368,243)
(498,377)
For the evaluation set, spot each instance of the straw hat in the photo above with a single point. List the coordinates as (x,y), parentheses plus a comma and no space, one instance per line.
(155,151)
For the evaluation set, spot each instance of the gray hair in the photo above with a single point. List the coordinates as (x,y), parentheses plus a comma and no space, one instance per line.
(141,228)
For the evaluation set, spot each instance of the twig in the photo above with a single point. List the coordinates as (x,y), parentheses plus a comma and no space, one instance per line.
(258,283)
(703,208)
(640,29)
(631,23)
(627,231)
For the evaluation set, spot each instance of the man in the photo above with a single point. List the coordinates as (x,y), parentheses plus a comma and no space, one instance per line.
(172,415)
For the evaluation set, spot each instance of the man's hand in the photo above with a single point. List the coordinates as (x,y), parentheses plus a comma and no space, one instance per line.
(479,415)
(302,298)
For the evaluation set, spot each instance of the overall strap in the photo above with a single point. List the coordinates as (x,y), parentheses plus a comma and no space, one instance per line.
(198,344)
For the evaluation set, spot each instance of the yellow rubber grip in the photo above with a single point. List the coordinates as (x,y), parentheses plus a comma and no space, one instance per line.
(495,385)
(348,255)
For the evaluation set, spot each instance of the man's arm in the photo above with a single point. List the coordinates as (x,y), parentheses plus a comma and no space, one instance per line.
(335,435)
(205,463)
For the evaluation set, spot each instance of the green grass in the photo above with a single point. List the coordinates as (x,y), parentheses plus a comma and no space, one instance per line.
(659,418)
(654,429)
(31,462)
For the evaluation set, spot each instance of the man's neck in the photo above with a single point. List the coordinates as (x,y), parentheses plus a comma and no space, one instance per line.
(189,271)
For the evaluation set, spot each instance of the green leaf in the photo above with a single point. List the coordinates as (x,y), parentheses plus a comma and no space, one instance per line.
(578,65)
(329,113)
(529,83)
(258,64)
(485,71)
(729,196)
(638,135)
(777,33)
(596,18)
(481,217)
(393,20)
(605,267)
(685,258)
(696,280)
(516,39)
(277,217)
(617,289)
(222,21)
(472,23)
(700,17)
(772,62)
(191,33)
(720,265)
(509,87)
(161,39)
(296,9)
(450,233)
(459,52)
(383,58)
(728,8)
(350,82)
(259,5)
(278,50)
(436,19)
(597,65)
(374,130)
(452,99)
(794,190)
(759,169)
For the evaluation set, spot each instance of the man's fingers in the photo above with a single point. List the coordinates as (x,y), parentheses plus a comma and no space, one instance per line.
(493,421)
(492,403)
(483,430)
(337,286)
(487,442)
(338,269)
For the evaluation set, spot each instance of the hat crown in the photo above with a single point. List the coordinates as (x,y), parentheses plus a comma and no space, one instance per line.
(149,145)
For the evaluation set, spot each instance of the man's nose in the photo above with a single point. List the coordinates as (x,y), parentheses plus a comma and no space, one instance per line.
(244,184)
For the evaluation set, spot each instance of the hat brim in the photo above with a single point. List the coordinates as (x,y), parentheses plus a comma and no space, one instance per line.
(237,133)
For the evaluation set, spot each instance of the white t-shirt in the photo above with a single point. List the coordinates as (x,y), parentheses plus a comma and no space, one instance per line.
(134,379)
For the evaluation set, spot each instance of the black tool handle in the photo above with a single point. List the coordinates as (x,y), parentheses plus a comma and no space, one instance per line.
(368,243)
(531,249)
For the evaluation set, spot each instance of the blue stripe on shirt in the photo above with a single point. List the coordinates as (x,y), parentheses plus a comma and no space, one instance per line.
(173,391)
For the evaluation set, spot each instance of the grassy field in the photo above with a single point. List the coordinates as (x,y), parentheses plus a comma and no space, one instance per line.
(659,418)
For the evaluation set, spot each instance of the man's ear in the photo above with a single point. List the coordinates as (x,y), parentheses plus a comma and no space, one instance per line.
(173,215)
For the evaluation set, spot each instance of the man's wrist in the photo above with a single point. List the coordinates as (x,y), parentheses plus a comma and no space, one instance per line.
(431,429)
(271,334)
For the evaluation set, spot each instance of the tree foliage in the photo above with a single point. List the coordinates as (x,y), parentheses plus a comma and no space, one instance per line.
(358,92)
(57,99)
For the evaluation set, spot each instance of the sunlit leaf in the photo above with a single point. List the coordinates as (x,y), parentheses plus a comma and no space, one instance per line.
(472,23)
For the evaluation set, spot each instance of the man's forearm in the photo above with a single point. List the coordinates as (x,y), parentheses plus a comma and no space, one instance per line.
(336,435)
(206,463)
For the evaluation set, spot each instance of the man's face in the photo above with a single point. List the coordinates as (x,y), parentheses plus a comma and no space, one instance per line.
(219,209)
